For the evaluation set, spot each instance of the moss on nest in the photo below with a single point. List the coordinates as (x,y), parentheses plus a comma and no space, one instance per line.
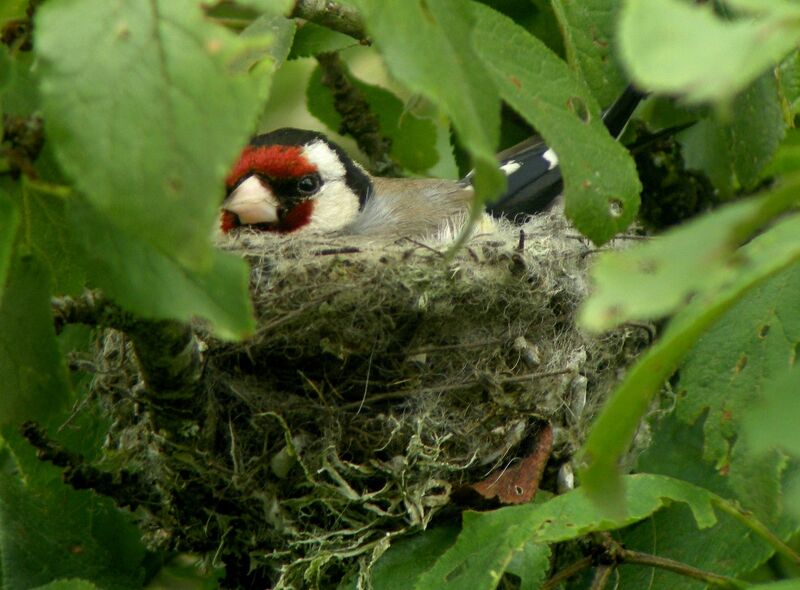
(383,378)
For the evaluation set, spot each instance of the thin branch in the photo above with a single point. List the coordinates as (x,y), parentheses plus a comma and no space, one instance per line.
(126,487)
(569,571)
(611,554)
(331,15)
(683,569)
(601,576)
(167,351)
(358,120)
(755,525)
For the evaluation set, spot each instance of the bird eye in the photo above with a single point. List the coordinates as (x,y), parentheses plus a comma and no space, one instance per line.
(308,185)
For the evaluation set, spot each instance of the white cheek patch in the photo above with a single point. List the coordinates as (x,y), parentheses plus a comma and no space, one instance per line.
(510,167)
(552,158)
(335,206)
(327,163)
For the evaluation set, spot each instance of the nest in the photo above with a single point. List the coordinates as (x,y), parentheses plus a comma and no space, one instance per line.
(383,380)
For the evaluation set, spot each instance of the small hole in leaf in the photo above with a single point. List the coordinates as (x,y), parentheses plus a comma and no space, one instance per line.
(649,266)
(615,208)
(518,490)
(578,106)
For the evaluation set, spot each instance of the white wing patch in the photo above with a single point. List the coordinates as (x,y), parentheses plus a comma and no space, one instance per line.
(328,164)
(552,158)
(510,167)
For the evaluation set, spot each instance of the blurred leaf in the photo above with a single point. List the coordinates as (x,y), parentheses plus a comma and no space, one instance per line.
(734,150)
(273,7)
(413,138)
(454,80)
(146,282)
(706,148)
(660,41)
(73,584)
(614,428)
(33,376)
(270,39)
(654,279)
(45,232)
(112,71)
(312,39)
(9,222)
(6,67)
(588,29)
(21,94)
(756,130)
(600,182)
(772,421)
(12,9)
(473,563)
(787,157)
(783,585)
(788,74)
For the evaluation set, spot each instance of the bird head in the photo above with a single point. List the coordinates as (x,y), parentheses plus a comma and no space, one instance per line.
(290,179)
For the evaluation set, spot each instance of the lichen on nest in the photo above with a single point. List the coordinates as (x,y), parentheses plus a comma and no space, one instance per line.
(383,378)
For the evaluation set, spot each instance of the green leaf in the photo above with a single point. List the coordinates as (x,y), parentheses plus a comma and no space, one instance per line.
(413,138)
(407,559)
(270,39)
(531,565)
(312,39)
(273,7)
(6,67)
(706,147)
(73,584)
(146,114)
(152,285)
(788,74)
(12,9)
(601,187)
(44,231)
(676,450)
(48,531)
(787,157)
(473,563)
(726,374)
(783,585)
(660,41)
(613,430)
(9,222)
(756,130)
(654,279)
(33,375)
(455,80)
(772,421)
(588,29)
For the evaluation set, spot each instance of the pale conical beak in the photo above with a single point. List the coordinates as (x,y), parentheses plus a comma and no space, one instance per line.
(252,202)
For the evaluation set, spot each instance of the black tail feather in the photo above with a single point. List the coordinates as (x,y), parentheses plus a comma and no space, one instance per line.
(536,180)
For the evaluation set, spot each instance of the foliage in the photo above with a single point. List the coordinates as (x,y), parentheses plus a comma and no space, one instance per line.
(120,121)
